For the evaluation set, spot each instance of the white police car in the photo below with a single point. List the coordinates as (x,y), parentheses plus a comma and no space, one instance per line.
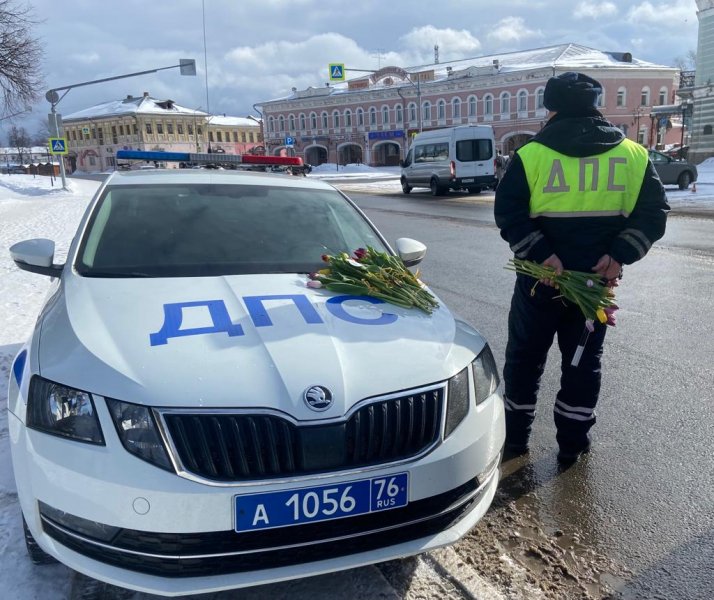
(188,416)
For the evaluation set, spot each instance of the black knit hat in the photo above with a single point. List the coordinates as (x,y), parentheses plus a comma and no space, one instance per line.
(572,94)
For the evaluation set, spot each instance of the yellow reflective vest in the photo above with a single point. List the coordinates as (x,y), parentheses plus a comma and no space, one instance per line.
(602,185)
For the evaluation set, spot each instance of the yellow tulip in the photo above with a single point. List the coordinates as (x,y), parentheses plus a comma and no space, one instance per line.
(324,271)
(601,316)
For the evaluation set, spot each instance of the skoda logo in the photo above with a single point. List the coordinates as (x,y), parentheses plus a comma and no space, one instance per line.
(318,397)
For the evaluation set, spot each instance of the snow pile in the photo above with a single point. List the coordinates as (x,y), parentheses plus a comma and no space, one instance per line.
(29,207)
(327,170)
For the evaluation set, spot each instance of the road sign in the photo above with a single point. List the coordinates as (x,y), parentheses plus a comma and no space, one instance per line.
(58,146)
(55,124)
(289,141)
(337,71)
(85,130)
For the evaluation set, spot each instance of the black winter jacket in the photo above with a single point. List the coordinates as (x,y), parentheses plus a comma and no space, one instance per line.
(579,242)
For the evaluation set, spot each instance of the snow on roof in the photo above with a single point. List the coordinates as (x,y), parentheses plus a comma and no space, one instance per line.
(133,106)
(562,57)
(233,121)
(33,150)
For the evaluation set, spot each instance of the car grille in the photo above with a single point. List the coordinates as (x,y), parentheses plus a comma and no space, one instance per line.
(235,447)
(221,552)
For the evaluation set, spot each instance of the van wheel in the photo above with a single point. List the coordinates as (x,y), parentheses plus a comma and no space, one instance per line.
(474,190)
(436,189)
(684,180)
(406,188)
(37,555)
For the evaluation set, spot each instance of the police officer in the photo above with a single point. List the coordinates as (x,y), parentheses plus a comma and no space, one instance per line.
(578,196)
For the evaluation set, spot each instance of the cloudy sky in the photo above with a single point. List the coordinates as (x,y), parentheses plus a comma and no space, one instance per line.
(260,49)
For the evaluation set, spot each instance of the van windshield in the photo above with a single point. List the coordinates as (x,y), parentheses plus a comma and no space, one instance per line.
(473,150)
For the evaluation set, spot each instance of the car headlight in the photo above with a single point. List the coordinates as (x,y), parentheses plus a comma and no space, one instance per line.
(457,403)
(138,432)
(485,375)
(64,411)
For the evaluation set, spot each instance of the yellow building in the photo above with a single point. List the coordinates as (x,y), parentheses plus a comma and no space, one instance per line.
(95,134)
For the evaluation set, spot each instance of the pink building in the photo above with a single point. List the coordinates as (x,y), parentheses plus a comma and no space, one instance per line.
(370,119)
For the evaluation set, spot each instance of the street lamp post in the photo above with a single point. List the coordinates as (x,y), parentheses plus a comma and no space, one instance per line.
(186,65)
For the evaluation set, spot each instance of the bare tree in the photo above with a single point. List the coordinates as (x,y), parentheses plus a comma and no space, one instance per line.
(21,141)
(687,62)
(20,57)
(42,135)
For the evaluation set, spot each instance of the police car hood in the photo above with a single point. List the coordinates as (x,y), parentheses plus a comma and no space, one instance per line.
(580,136)
(242,341)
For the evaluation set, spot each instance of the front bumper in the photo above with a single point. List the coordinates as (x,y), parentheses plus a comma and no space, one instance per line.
(177,535)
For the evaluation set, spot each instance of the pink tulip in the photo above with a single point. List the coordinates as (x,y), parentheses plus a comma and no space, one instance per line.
(360,253)
(589,283)
(314,284)
(610,312)
(589,325)
(325,258)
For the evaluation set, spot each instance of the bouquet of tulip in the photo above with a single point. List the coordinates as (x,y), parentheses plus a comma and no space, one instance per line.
(373,273)
(587,291)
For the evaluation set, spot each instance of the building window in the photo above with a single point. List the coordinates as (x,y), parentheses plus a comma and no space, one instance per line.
(210,136)
(335,119)
(601,98)
(663,96)
(325,121)
(74,135)
(348,118)
(121,129)
(505,103)
(313,121)
(291,122)
(160,128)
(219,136)
(522,101)
(199,130)
(170,128)
(472,106)
(642,136)
(148,130)
(190,129)
(488,105)
(412,112)
(303,122)
(707,130)
(539,98)
(360,117)
(441,108)
(645,97)
(281,123)
(426,111)
(271,124)
(621,97)
(252,139)
(92,160)
(398,114)
(136,129)
(456,108)
(243,136)
(373,116)
(179,128)
(385,115)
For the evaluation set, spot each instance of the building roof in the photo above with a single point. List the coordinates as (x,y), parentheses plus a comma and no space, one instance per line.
(144,105)
(562,57)
(234,121)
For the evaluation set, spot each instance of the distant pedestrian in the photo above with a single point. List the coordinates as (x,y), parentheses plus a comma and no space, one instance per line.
(500,166)
(578,196)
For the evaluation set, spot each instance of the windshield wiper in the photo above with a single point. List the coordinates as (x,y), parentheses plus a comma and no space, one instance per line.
(115,274)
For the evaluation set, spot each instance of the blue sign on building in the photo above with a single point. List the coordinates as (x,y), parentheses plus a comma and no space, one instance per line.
(386,135)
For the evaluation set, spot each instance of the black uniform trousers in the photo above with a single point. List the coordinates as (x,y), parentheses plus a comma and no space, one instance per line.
(536,316)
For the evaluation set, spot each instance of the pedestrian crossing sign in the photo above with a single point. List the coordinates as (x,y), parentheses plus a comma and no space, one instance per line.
(337,71)
(58,146)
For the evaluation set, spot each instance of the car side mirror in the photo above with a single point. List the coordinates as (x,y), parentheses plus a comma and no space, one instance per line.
(36,256)
(410,251)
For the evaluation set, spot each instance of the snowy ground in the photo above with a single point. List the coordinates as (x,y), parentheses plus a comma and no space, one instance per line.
(30,207)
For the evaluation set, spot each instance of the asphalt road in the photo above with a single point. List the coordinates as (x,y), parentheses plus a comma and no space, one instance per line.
(641,503)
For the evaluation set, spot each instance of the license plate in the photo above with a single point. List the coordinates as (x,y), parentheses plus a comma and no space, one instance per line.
(467,180)
(320,503)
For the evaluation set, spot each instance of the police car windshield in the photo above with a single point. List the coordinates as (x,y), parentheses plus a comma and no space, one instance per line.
(213,229)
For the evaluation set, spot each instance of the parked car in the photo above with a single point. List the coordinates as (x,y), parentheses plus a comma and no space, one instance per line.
(671,171)
(17,169)
(189,416)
